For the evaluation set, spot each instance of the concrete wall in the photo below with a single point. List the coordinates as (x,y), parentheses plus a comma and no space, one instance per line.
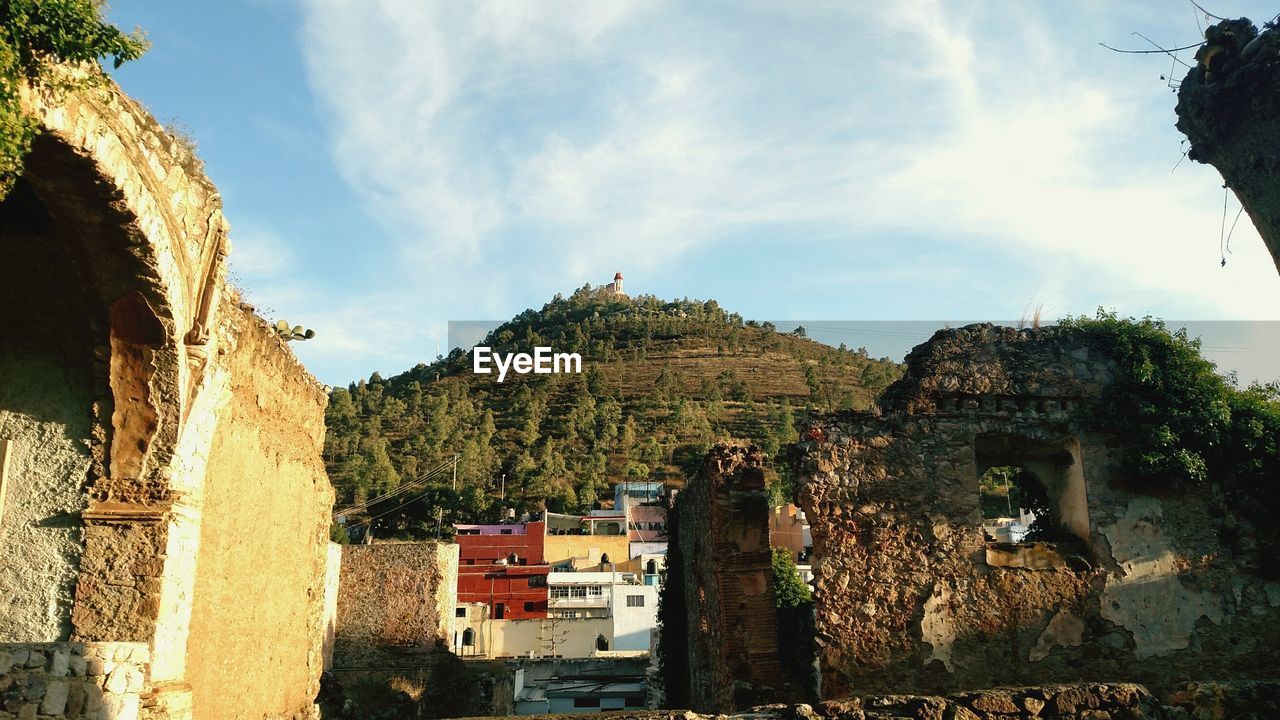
(633,627)
(263,540)
(332,578)
(572,638)
(395,601)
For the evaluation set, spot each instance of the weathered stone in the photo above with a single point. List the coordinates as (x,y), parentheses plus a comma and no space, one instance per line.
(912,596)
(989,702)
(139,373)
(76,696)
(121,707)
(118,681)
(55,698)
(60,664)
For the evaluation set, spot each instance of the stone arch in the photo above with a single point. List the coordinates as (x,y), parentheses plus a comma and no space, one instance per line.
(135,245)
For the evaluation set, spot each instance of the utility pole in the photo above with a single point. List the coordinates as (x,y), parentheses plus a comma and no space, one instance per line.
(503,498)
(455,472)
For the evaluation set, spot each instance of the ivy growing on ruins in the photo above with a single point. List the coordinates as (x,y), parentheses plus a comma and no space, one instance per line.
(35,39)
(1191,427)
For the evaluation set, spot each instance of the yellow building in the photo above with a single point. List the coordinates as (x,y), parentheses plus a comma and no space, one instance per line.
(585,543)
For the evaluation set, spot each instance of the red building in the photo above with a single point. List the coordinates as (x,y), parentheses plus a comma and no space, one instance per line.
(502,566)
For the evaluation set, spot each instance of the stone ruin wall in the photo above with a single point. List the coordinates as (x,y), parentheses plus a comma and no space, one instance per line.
(257,624)
(911,598)
(137,395)
(395,603)
(727,567)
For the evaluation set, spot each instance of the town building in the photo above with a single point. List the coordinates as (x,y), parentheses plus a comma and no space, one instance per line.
(502,568)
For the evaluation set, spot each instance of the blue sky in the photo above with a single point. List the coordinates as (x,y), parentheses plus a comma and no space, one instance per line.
(390,166)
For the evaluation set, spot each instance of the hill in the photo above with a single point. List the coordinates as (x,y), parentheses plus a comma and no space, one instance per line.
(660,381)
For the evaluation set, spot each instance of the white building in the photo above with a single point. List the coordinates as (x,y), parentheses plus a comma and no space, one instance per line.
(623,597)
(635,617)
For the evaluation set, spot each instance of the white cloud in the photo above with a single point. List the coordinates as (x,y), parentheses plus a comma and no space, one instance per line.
(509,139)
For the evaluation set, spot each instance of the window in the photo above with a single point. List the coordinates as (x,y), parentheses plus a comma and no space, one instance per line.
(633,701)
(505,532)
(460,612)
(577,592)
(468,638)
(499,611)
(1031,489)
(595,590)
(586,702)
(635,601)
(602,642)
(559,592)
(530,606)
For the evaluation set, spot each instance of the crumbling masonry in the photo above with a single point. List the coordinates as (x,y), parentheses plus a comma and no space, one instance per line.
(913,599)
(163,505)
(1229,109)
(721,521)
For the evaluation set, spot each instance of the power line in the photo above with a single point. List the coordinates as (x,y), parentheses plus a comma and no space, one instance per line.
(401,489)
(406,487)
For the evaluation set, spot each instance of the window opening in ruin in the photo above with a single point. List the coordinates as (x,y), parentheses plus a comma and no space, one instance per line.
(602,642)
(468,638)
(460,612)
(651,567)
(499,611)
(1031,490)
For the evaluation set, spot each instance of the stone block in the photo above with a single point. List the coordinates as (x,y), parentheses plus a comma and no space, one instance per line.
(34,689)
(76,697)
(135,680)
(55,698)
(35,659)
(94,666)
(27,712)
(121,707)
(59,664)
(6,661)
(19,658)
(117,681)
(77,665)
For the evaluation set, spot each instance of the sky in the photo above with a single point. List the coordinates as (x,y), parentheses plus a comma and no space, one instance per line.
(388,166)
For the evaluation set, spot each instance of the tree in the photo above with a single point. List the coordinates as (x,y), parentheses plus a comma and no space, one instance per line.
(552,635)
(35,37)
(797,628)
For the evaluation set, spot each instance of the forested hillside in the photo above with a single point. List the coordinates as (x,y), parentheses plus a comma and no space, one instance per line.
(660,382)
